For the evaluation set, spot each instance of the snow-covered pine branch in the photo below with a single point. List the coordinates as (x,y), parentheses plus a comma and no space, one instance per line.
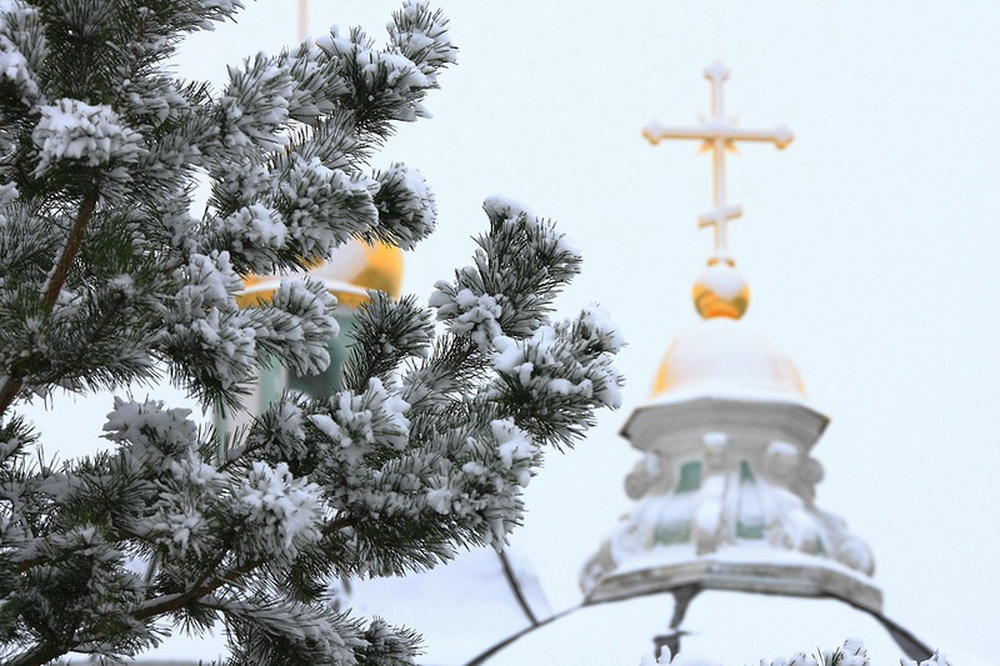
(107,278)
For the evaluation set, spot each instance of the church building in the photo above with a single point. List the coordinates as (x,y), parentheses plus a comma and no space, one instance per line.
(724,557)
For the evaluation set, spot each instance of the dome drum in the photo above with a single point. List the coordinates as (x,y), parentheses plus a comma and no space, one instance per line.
(725,500)
(662,424)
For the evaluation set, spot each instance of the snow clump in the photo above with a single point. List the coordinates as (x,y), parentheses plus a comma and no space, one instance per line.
(254,226)
(397,79)
(406,204)
(500,207)
(287,511)
(357,423)
(305,325)
(21,49)
(92,134)
(204,315)
(14,68)
(324,207)
(477,315)
(516,448)
(423,38)
(148,426)
(598,325)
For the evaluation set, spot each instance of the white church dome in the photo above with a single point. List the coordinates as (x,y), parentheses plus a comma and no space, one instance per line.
(722,357)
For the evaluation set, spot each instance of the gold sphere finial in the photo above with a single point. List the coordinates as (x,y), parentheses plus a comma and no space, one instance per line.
(720,291)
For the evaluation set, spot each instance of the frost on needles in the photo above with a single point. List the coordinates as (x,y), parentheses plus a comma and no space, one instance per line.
(108,278)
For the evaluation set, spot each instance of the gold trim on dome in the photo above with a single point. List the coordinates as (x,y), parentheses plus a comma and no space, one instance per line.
(347,296)
(382,270)
(663,378)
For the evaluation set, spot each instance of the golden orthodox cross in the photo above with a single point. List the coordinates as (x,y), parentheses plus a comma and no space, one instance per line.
(718,135)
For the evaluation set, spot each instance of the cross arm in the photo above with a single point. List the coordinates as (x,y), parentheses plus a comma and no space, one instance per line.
(780,136)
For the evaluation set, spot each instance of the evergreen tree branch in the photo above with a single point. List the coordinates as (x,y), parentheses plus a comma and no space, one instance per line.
(11,387)
(69,251)
(201,588)
(13,381)
(37,656)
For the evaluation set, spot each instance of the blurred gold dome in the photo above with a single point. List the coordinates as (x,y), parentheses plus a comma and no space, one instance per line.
(384,269)
(350,271)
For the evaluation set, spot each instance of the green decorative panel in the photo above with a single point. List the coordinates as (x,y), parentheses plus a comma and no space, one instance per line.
(690,477)
(751,530)
(750,521)
(672,533)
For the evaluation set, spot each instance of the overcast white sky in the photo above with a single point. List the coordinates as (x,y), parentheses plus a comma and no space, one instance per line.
(870,244)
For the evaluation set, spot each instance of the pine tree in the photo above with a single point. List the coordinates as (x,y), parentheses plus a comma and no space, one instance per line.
(108,279)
